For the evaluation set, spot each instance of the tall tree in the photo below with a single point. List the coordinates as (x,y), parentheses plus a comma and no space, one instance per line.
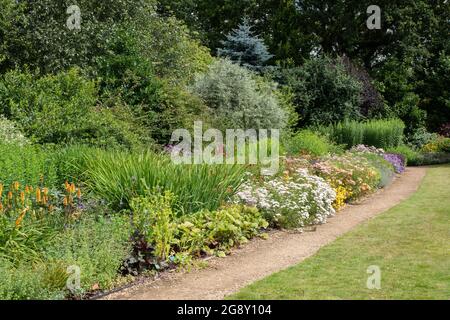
(244,47)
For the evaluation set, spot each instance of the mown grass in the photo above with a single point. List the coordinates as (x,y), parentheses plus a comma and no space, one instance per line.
(410,243)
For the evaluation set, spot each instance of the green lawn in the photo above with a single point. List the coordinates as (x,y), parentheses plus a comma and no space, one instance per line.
(410,243)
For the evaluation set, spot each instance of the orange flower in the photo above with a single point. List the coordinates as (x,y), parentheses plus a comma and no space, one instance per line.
(27,189)
(72,188)
(10,195)
(20,218)
(66,185)
(16,185)
(65,202)
(1,190)
(38,195)
(79,193)
(44,200)
(22,197)
(45,191)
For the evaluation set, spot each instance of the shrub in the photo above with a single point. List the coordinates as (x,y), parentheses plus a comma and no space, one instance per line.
(420,137)
(97,245)
(28,164)
(153,218)
(118,177)
(378,133)
(324,92)
(439,144)
(238,99)
(61,109)
(308,142)
(169,239)
(292,201)
(407,152)
(242,46)
(26,282)
(215,232)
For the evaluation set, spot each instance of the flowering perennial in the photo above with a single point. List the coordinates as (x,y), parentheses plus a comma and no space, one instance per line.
(294,200)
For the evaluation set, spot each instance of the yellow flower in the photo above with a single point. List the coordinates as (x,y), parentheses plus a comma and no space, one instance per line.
(1,190)
(16,185)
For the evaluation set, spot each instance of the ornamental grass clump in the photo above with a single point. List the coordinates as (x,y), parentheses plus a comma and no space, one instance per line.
(118,177)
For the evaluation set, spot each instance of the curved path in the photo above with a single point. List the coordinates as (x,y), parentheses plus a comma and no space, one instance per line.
(260,258)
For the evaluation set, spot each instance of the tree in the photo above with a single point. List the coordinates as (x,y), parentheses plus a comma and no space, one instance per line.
(37,34)
(245,48)
(324,92)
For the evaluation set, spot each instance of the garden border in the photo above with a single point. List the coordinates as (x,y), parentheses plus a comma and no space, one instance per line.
(260,258)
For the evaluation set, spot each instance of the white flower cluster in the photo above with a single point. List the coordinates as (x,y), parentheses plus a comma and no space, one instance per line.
(300,198)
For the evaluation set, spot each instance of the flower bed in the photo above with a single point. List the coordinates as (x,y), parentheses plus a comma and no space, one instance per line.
(293,200)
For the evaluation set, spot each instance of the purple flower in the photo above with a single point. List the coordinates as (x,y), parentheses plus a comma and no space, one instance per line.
(397,160)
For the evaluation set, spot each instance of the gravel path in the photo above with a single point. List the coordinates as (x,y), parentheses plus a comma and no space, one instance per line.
(260,258)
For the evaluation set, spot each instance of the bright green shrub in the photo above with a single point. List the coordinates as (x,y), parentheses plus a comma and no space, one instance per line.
(61,109)
(118,177)
(204,232)
(308,142)
(26,282)
(324,92)
(377,133)
(217,231)
(97,245)
(238,99)
(153,218)
(28,164)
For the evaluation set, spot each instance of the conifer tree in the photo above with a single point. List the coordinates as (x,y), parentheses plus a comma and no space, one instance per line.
(242,46)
